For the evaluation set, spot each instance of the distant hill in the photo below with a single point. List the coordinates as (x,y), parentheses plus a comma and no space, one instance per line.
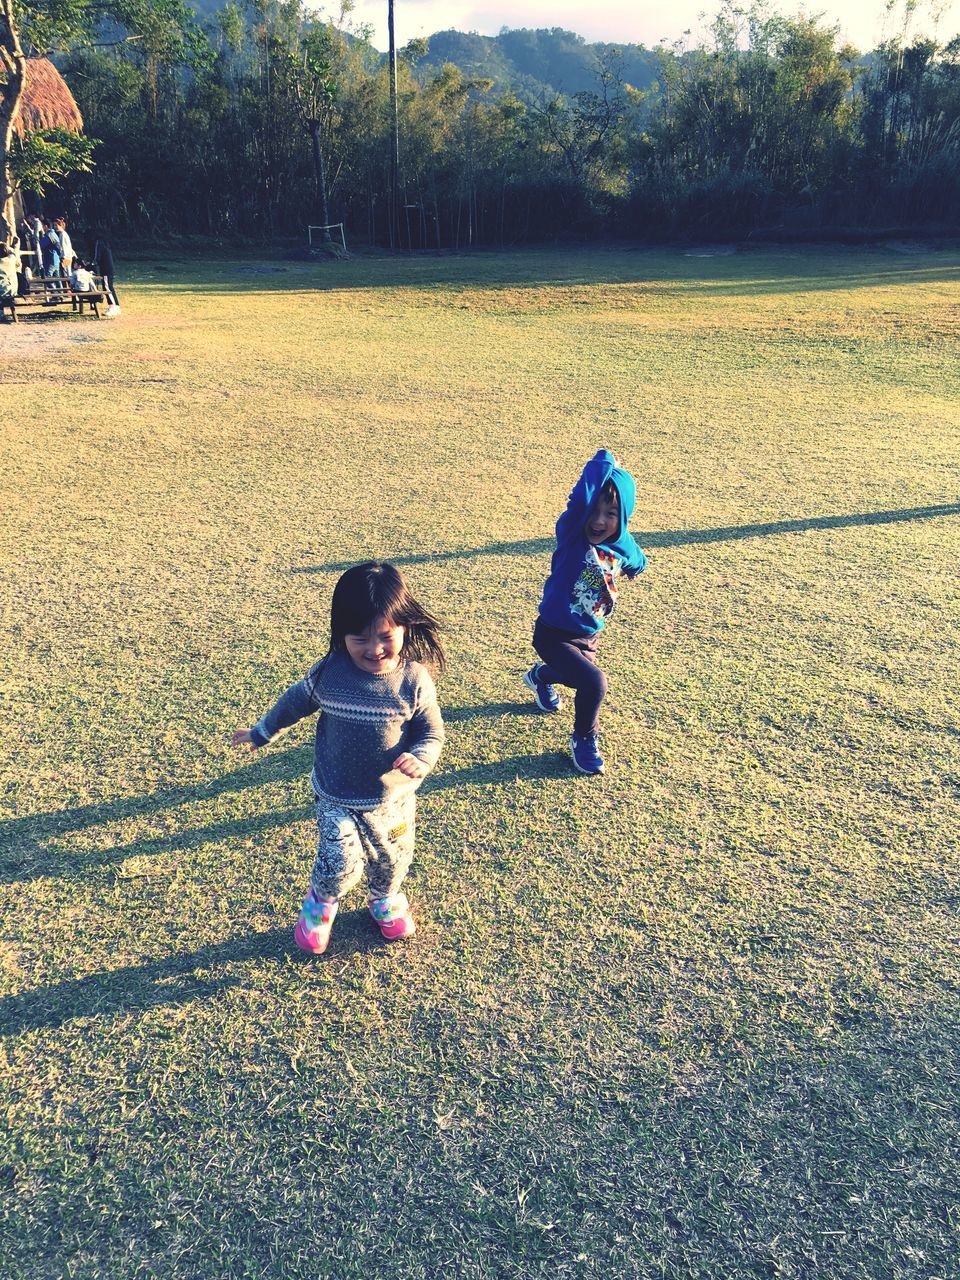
(531,63)
(537,62)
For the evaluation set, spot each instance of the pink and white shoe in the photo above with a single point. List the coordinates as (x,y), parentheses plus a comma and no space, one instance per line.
(312,931)
(393,916)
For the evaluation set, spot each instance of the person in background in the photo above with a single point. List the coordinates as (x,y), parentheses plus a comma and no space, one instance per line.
(50,250)
(66,246)
(81,278)
(30,233)
(8,273)
(103,261)
(23,278)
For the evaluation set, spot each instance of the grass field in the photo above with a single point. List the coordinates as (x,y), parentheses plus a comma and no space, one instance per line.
(698,1018)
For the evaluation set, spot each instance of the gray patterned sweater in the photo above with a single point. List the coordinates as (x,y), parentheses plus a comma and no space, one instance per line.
(366,721)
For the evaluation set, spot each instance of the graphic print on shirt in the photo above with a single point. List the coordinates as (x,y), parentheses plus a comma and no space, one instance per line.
(595,590)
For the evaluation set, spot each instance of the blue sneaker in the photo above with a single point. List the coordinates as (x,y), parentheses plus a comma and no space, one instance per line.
(545,695)
(586,755)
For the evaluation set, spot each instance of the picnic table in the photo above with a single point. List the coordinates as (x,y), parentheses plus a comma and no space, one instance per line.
(55,291)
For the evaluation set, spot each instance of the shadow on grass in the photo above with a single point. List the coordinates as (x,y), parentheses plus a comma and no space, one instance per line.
(182,978)
(177,979)
(671,537)
(487,710)
(824,282)
(285,765)
(533,546)
(660,270)
(277,766)
(29,859)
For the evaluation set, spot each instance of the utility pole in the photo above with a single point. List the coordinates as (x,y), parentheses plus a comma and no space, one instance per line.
(395,141)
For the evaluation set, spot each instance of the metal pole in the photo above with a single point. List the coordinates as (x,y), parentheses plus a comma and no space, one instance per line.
(395,147)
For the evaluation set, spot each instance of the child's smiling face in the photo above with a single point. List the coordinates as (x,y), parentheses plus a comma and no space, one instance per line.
(603,522)
(376,650)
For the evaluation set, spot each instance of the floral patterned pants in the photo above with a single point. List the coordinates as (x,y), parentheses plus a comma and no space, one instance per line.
(351,842)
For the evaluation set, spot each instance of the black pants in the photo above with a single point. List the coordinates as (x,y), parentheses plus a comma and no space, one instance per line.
(571,660)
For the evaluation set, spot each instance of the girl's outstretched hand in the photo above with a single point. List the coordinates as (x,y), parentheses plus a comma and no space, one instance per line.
(411,766)
(243,738)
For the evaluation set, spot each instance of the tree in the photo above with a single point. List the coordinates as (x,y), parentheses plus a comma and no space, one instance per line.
(33,27)
(14,67)
(44,156)
(585,132)
(762,120)
(310,74)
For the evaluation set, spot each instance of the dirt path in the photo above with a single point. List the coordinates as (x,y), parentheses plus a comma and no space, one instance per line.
(39,337)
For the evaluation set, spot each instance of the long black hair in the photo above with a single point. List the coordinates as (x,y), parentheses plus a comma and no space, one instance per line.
(378,590)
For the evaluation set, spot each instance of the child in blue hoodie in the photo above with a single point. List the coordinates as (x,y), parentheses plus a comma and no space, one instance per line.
(593,550)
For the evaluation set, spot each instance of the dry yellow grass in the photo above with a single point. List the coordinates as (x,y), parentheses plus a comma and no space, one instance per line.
(695,1019)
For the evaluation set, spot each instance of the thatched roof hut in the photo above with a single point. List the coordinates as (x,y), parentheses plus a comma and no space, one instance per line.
(46,102)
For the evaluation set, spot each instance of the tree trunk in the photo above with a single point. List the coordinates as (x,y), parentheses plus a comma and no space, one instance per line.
(14,64)
(321,176)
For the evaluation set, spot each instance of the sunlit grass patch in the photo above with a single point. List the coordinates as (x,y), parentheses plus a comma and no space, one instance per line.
(697,1018)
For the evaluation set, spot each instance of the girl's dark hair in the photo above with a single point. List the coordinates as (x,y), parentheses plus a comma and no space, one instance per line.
(609,493)
(378,590)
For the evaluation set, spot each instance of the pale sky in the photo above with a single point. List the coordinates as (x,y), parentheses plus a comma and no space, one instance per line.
(863,22)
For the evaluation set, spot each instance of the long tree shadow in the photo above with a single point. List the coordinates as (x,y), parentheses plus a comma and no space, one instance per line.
(136,988)
(447,277)
(32,830)
(487,710)
(33,861)
(670,537)
(175,980)
(533,546)
(825,282)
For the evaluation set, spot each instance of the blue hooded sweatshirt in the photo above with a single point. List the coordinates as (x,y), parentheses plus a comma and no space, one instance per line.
(581,590)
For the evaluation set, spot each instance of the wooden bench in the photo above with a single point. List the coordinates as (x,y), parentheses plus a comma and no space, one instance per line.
(55,291)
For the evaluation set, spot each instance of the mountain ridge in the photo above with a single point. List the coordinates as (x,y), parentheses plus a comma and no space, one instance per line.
(532,62)
(541,61)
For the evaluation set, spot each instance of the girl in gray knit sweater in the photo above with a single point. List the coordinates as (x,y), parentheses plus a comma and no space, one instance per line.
(378,736)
